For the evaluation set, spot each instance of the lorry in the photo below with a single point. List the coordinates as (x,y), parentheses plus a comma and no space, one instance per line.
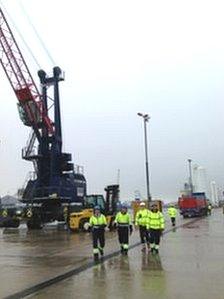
(193,205)
(79,219)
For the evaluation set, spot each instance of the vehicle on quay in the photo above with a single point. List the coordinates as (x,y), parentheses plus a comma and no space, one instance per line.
(193,205)
(79,220)
(55,182)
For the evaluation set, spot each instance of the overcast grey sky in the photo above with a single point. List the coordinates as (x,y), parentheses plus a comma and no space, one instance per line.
(164,58)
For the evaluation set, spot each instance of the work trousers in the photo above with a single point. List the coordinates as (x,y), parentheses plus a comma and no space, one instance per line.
(173,220)
(98,237)
(144,234)
(123,235)
(155,236)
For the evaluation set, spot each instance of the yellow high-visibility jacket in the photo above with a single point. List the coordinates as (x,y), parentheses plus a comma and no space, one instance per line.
(155,220)
(123,218)
(172,212)
(97,221)
(141,217)
(4,213)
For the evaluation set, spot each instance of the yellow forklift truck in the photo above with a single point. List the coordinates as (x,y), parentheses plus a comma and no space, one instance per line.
(79,220)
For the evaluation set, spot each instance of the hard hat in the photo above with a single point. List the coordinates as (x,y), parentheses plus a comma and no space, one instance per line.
(97,208)
(142,204)
(124,206)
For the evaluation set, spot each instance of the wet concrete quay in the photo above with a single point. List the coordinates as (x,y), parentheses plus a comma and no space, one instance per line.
(190,263)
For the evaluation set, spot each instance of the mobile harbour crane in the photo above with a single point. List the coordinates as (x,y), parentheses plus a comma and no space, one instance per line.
(56,184)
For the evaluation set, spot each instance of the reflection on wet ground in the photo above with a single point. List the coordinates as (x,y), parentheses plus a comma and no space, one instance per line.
(133,276)
(190,264)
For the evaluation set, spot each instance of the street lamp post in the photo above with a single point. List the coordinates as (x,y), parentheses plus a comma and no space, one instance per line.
(190,176)
(146,118)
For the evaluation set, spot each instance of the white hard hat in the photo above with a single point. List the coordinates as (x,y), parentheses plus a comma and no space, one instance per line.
(142,204)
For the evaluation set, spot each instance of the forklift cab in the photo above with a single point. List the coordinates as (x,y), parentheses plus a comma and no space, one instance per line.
(90,201)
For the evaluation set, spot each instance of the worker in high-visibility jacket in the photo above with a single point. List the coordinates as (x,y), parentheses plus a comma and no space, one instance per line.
(141,219)
(98,223)
(5,213)
(209,209)
(155,226)
(124,227)
(172,211)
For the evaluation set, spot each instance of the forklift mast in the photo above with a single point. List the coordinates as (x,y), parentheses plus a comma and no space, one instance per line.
(112,199)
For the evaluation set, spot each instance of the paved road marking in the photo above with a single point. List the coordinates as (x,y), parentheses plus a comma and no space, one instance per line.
(33,289)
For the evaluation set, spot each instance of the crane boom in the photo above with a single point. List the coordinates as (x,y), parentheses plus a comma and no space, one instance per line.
(20,78)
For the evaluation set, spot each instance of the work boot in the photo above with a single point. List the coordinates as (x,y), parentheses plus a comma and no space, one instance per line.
(122,250)
(96,257)
(125,251)
(156,251)
(101,251)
